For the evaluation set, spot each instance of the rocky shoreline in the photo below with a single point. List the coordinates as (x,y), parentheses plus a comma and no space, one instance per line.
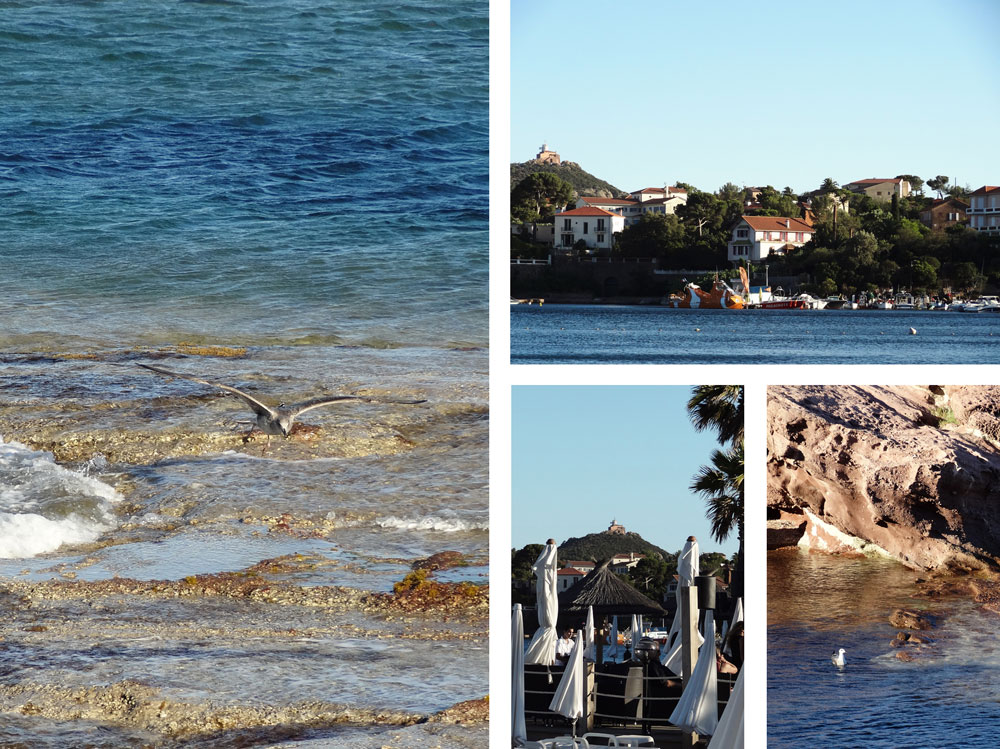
(908,472)
(98,651)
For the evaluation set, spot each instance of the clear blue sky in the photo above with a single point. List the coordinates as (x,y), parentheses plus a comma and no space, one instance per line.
(582,456)
(780,93)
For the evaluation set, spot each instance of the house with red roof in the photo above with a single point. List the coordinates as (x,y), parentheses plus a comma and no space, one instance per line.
(941,214)
(595,226)
(663,200)
(757,237)
(984,210)
(880,189)
(567,577)
(622,563)
(627,207)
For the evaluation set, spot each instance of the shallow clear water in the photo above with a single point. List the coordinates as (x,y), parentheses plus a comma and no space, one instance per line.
(948,696)
(304,180)
(599,334)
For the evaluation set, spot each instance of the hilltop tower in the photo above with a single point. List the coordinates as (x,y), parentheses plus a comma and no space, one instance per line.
(545,156)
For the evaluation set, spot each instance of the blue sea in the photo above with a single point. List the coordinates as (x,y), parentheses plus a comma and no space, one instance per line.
(287,197)
(948,695)
(615,334)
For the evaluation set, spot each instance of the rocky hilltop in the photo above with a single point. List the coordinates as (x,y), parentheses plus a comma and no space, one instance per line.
(597,547)
(912,472)
(583,182)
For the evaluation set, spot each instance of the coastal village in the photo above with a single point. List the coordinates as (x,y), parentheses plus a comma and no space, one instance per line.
(871,242)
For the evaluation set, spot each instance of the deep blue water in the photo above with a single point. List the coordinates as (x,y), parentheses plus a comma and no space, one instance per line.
(239,170)
(590,334)
(948,696)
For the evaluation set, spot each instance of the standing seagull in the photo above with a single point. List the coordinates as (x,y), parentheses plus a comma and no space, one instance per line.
(276,420)
(838,658)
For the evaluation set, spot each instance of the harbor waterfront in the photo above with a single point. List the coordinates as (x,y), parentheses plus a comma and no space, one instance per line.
(948,696)
(620,334)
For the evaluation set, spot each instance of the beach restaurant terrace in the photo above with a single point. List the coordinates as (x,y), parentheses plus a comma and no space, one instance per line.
(673,698)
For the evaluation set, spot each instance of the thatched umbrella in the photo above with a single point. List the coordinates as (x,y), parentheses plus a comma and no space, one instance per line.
(609,595)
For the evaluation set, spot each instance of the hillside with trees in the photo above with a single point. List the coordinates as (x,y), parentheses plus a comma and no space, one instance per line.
(582,181)
(876,247)
(596,547)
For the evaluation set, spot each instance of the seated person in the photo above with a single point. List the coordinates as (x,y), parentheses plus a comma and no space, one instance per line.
(734,644)
(722,665)
(565,646)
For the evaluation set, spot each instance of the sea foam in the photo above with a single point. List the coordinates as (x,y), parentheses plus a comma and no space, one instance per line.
(44,505)
(430,523)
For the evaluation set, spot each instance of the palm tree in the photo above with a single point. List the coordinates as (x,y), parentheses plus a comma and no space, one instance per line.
(720,408)
(721,484)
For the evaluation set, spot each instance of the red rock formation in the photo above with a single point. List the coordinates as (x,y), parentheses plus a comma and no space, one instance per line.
(910,471)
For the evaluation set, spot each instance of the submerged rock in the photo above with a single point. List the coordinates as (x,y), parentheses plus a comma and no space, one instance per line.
(469,712)
(908,638)
(130,703)
(443,560)
(909,619)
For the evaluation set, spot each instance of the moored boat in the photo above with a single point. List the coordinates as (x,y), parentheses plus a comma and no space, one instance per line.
(694,297)
(795,303)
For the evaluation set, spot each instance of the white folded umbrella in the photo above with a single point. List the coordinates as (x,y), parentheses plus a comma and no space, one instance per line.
(590,648)
(698,709)
(519,731)
(542,650)
(729,734)
(568,699)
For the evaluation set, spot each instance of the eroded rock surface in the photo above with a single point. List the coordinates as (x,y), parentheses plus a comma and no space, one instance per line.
(912,472)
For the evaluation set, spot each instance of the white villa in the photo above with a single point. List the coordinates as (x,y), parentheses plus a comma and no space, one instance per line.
(648,200)
(984,210)
(595,226)
(757,237)
(567,577)
(880,189)
(623,206)
(622,563)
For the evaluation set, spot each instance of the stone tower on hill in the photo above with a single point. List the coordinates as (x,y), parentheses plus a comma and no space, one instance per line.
(545,156)
(615,529)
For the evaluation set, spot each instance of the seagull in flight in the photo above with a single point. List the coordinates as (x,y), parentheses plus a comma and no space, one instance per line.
(838,658)
(279,419)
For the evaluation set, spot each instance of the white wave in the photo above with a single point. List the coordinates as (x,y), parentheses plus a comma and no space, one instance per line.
(23,536)
(44,505)
(430,523)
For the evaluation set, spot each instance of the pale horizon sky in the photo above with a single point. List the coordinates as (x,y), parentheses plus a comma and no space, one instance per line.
(582,456)
(781,93)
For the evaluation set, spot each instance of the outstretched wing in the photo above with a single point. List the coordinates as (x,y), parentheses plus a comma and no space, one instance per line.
(256,405)
(299,408)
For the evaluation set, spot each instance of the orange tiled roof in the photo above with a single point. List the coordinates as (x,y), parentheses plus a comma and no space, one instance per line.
(874,181)
(985,189)
(776,223)
(588,211)
(659,189)
(608,201)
